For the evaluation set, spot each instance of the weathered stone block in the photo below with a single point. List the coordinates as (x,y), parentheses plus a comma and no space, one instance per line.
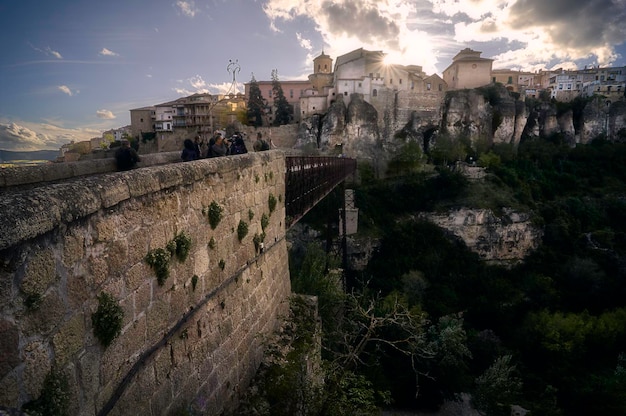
(40,272)
(37,364)
(69,340)
(9,353)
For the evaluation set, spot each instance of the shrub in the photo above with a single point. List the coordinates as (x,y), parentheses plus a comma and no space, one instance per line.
(54,399)
(242,230)
(215,214)
(271,202)
(107,319)
(159,260)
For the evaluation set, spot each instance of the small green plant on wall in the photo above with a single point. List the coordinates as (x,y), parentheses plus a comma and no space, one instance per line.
(271,202)
(107,319)
(250,214)
(212,243)
(265,221)
(159,260)
(222,264)
(242,230)
(182,246)
(215,212)
(54,399)
(194,282)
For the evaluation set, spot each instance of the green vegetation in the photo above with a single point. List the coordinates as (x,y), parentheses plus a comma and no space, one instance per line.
(547,334)
(256,105)
(214,212)
(107,319)
(242,230)
(54,399)
(283,111)
(265,221)
(159,260)
(271,202)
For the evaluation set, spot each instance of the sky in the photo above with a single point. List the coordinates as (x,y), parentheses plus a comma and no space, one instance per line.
(70,70)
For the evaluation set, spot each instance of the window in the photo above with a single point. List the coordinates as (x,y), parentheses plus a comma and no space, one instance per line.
(440,87)
(493,79)
(412,85)
(325,66)
(428,86)
(510,81)
(375,92)
(290,93)
(359,85)
(569,86)
(400,81)
(345,93)
(270,93)
(608,89)
(141,120)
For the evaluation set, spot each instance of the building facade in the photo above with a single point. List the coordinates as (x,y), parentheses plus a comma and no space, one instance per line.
(468,70)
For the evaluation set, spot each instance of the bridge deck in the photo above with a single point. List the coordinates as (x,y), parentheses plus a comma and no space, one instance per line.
(309,179)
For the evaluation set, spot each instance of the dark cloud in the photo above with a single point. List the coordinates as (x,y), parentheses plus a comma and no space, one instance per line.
(362,21)
(574,23)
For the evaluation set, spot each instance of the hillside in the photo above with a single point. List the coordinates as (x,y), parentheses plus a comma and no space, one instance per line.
(547,334)
(12,156)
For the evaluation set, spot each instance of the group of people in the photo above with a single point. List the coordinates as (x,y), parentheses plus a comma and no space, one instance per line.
(126,157)
(219,146)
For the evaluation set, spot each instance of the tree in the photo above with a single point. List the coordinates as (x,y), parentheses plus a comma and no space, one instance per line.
(282,106)
(256,105)
(497,388)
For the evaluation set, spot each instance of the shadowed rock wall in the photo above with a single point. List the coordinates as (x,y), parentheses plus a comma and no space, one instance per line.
(193,342)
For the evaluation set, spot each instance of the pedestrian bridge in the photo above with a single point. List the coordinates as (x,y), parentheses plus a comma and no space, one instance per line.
(191,339)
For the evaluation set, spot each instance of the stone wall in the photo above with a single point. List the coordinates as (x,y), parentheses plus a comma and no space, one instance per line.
(192,343)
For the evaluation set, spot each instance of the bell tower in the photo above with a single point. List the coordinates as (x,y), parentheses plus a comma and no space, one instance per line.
(322,75)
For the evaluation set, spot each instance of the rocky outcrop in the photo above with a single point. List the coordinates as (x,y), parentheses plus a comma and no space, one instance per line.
(483,116)
(504,240)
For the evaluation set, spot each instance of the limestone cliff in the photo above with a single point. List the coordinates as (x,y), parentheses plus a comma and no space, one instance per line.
(504,240)
(489,115)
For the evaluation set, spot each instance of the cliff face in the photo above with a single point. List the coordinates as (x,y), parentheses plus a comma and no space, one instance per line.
(490,115)
(504,240)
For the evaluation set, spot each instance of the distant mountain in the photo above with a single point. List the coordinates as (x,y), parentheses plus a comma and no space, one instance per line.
(10,156)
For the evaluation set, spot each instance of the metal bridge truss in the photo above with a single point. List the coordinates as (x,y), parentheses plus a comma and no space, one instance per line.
(309,179)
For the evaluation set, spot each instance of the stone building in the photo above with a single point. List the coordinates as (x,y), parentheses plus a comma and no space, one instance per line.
(468,70)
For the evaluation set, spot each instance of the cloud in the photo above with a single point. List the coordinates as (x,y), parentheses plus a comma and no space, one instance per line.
(519,34)
(187,8)
(105,114)
(107,52)
(54,53)
(27,136)
(197,85)
(47,51)
(65,89)
(305,43)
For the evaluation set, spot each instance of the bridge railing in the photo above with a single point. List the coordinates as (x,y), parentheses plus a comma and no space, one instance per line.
(309,179)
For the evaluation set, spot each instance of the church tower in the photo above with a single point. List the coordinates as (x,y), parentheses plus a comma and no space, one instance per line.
(322,75)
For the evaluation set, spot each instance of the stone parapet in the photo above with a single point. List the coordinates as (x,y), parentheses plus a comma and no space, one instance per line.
(193,342)
(50,172)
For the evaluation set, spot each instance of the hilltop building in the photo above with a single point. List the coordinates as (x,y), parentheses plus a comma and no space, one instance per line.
(385,86)
(468,70)
(201,112)
(293,90)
